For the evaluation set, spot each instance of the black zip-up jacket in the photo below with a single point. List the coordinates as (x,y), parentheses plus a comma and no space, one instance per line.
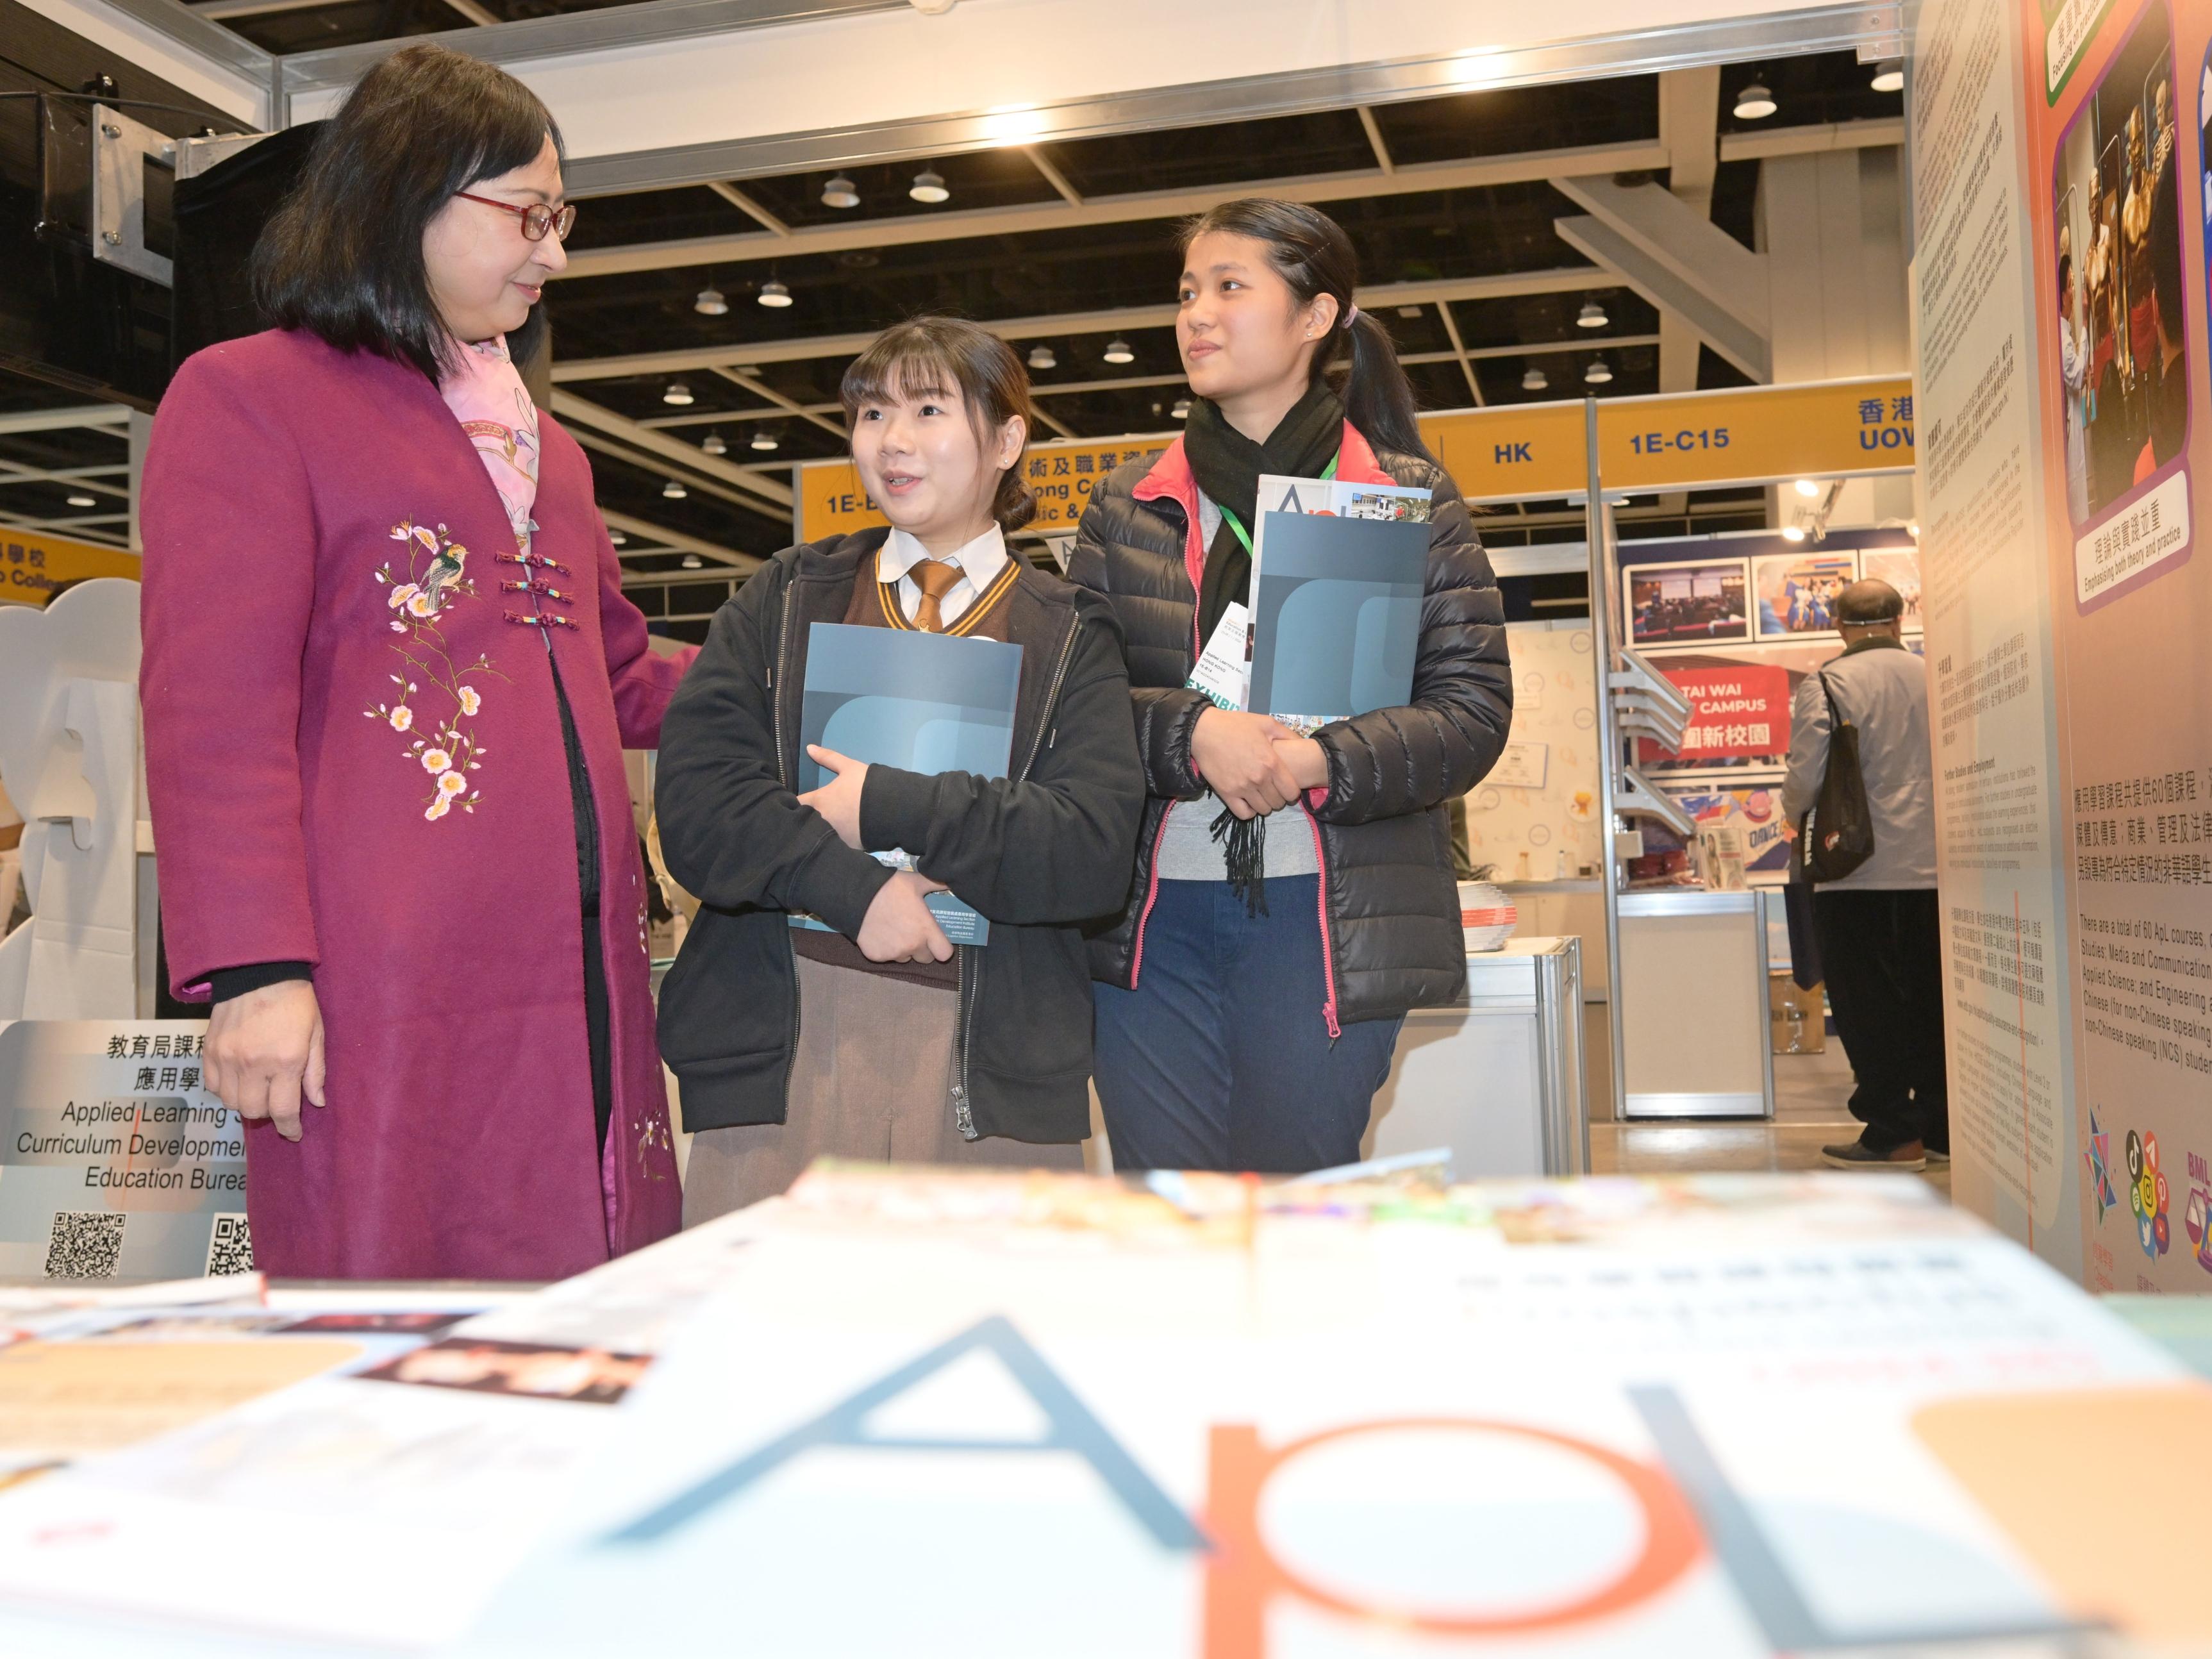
(1038,852)
(1393,940)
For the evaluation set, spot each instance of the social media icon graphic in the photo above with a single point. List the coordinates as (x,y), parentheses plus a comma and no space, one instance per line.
(2148,1196)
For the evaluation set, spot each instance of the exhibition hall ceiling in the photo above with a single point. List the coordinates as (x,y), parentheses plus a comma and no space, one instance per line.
(1069,247)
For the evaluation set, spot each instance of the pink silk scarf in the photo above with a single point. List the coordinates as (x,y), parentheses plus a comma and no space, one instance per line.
(488,399)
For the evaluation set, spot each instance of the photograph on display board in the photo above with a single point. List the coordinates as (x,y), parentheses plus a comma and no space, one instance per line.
(1684,604)
(2121,357)
(1900,567)
(1797,592)
(590,1376)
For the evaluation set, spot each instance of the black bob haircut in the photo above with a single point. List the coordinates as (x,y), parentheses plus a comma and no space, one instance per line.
(342,258)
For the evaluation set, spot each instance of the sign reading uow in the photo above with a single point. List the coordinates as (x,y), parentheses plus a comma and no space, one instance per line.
(1527,451)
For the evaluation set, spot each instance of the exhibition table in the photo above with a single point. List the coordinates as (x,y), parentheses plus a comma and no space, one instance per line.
(1497,1077)
(913,1411)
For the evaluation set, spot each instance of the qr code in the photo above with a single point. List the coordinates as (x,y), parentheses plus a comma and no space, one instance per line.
(230,1247)
(85,1243)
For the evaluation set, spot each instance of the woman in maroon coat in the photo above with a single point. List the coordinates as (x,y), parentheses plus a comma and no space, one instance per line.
(388,676)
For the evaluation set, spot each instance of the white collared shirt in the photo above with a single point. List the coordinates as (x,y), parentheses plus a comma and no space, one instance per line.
(980,560)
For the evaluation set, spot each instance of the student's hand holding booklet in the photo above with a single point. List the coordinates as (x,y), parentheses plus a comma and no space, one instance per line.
(899,926)
(839,799)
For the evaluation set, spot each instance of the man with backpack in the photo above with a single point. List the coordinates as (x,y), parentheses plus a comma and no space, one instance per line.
(1877,922)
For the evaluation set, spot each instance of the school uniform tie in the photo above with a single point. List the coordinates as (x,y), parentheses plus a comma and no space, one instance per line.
(935,580)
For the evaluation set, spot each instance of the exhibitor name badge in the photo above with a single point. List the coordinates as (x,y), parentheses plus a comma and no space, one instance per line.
(115,1162)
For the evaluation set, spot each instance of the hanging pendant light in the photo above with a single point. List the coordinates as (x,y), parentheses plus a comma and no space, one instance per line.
(1888,76)
(774,294)
(1534,381)
(840,192)
(618,538)
(765,440)
(1182,409)
(691,561)
(1592,315)
(713,445)
(929,186)
(710,303)
(1041,357)
(1118,352)
(678,396)
(673,490)
(1600,373)
(1754,102)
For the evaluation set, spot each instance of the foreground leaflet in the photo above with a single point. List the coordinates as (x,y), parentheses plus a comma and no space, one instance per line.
(913,1412)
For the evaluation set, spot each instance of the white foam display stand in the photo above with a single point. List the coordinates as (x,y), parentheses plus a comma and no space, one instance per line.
(69,761)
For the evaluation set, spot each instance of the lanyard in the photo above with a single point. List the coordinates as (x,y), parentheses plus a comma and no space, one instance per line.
(1236,524)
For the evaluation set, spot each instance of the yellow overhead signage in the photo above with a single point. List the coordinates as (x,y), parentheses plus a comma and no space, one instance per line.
(32,566)
(1527,451)
(1689,440)
(1061,475)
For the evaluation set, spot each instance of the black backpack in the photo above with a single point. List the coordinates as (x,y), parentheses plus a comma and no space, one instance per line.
(1839,831)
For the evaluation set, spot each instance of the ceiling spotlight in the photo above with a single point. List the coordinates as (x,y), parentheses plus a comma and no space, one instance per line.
(1754,102)
(677,394)
(1182,409)
(1534,381)
(1042,357)
(774,294)
(1807,488)
(674,490)
(1795,533)
(82,500)
(764,439)
(617,538)
(1592,315)
(929,186)
(1598,374)
(840,192)
(692,562)
(1888,76)
(1117,351)
(710,303)
(713,445)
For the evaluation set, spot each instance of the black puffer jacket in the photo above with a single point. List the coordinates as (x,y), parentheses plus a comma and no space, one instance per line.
(1394,939)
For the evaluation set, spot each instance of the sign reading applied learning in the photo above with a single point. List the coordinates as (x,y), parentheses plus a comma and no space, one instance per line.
(1525,452)
(115,1162)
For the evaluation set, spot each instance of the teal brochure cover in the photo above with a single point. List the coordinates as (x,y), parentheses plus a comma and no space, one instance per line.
(1336,616)
(924,702)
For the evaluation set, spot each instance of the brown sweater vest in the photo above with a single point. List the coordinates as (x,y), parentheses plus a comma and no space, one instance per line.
(876,604)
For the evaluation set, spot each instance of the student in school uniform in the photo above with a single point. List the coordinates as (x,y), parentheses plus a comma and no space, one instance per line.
(882,1039)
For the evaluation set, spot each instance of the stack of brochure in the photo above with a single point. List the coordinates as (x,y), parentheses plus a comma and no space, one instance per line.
(923,703)
(1332,618)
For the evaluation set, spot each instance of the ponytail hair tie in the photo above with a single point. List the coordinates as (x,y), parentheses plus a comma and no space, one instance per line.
(1351,316)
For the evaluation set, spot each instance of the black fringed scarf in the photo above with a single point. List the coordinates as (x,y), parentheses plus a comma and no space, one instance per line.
(1228,466)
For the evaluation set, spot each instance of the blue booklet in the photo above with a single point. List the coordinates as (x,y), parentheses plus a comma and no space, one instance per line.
(924,702)
(1336,612)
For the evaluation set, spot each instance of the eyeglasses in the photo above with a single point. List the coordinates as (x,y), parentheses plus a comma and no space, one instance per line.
(537,218)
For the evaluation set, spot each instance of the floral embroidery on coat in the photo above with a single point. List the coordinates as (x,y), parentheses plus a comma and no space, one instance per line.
(425,578)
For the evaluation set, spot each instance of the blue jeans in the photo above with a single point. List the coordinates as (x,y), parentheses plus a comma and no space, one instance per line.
(1221,1058)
